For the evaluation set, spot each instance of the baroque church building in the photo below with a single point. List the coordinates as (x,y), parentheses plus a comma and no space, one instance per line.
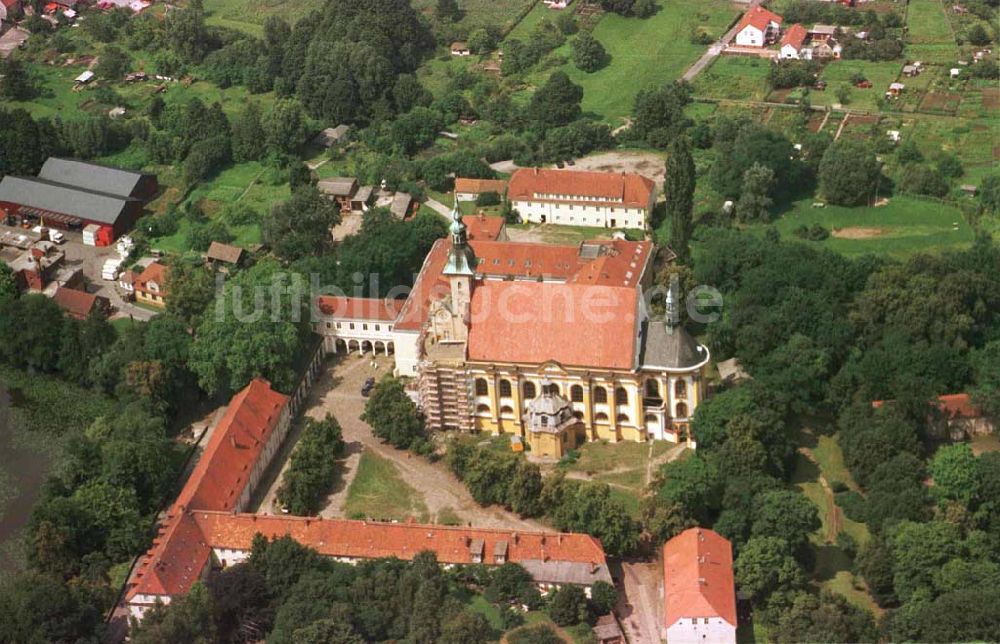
(550,343)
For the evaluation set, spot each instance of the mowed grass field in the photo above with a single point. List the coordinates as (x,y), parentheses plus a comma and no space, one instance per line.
(248,16)
(905,226)
(735,78)
(479,13)
(930,37)
(644,52)
(379,492)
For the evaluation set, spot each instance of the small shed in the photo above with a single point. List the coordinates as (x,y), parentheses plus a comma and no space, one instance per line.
(893,135)
(84,78)
(401,203)
(895,89)
(331,136)
(460,48)
(607,630)
(910,70)
(224,255)
(969,189)
(955,72)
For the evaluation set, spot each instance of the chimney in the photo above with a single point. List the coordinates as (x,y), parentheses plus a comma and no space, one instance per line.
(701,580)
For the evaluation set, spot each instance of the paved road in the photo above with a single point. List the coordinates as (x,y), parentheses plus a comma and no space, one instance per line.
(438,207)
(716,48)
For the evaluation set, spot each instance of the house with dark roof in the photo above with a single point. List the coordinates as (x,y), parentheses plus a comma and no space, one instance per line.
(699,590)
(75,194)
(224,256)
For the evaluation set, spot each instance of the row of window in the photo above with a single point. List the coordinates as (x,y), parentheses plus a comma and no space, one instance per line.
(364,326)
(651,387)
(506,411)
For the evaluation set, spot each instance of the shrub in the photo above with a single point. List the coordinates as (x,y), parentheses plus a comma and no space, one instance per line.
(488,199)
(853,505)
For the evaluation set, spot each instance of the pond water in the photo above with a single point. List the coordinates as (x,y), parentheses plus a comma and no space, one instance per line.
(24,465)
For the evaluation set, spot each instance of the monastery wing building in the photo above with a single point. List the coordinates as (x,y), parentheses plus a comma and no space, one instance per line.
(550,343)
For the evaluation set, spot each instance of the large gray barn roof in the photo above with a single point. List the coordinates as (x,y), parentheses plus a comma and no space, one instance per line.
(90,176)
(55,197)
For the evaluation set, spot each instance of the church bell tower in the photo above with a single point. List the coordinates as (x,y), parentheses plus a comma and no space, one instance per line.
(460,271)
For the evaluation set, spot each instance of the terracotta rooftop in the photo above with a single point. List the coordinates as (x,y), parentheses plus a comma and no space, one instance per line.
(478,186)
(794,36)
(483,227)
(958,406)
(155,272)
(76,303)
(760,18)
(360,308)
(613,188)
(368,540)
(224,468)
(180,552)
(573,324)
(597,263)
(698,577)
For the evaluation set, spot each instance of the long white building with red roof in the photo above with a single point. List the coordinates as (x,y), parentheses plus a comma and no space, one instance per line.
(699,591)
(582,198)
(207,528)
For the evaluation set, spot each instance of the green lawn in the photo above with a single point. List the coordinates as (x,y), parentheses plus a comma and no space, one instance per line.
(249,15)
(379,492)
(930,38)
(479,13)
(839,72)
(644,53)
(905,226)
(734,77)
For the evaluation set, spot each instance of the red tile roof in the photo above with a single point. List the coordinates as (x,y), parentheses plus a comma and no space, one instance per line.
(360,308)
(760,18)
(176,560)
(216,483)
(155,272)
(477,186)
(613,188)
(430,285)
(483,227)
(10,3)
(76,303)
(224,468)
(369,540)
(958,406)
(795,36)
(534,322)
(698,577)
(599,263)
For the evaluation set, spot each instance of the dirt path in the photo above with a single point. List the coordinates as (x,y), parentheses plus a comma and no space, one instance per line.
(639,605)
(338,392)
(832,509)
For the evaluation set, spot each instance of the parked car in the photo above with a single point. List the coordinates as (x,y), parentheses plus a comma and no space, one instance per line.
(366,388)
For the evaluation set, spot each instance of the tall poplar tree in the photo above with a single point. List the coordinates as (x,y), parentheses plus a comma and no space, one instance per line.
(678,188)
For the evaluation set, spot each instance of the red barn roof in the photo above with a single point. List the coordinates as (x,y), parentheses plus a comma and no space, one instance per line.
(698,577)
(760,18)
(581,186)
(795,36)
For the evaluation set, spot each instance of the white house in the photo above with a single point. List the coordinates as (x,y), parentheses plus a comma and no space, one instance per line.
(758,28)
(793,44)
(699,592)
(582,198)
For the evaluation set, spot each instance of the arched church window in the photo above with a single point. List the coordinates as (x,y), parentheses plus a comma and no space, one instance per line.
(576,393)
(505,390)
(600,395)
(482,388)
(621,396)
(529,390)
